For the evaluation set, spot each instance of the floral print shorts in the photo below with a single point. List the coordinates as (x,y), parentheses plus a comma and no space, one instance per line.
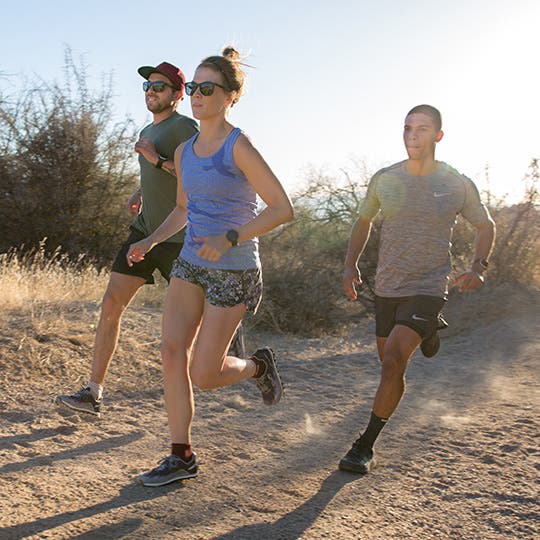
(223,288)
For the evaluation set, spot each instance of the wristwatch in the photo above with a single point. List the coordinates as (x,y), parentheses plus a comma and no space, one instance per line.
(482,262)
(232,237)
(160,161)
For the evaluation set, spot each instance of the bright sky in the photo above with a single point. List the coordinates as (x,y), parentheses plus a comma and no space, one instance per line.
(332,80)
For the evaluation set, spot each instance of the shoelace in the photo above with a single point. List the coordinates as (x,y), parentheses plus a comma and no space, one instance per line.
(163,464)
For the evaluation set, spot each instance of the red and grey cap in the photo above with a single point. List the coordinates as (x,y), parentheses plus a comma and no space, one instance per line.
(173,73)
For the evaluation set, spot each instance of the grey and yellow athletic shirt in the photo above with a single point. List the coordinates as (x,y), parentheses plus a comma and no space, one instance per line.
(418,217)
(159,187)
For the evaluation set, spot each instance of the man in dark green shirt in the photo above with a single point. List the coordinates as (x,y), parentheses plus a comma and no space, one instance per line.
(151,204)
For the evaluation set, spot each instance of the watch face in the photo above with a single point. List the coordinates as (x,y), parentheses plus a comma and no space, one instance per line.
(232,237)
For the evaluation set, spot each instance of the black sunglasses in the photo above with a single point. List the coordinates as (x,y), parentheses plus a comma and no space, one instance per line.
(206,88)
(157,86)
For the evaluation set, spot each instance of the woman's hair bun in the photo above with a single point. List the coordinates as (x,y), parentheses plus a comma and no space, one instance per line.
(231,53)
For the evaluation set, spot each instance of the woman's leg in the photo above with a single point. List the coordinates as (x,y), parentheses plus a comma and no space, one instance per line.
(182,314)
(210,365)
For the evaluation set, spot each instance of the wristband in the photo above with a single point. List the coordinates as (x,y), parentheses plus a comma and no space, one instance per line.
(160,161)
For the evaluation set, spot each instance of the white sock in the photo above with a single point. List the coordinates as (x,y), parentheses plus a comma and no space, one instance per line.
(96,390)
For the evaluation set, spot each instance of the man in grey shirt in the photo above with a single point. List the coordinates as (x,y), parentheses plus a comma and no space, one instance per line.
(419,200)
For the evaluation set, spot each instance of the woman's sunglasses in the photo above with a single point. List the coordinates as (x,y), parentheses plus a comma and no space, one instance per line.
(206,88)
(157,86)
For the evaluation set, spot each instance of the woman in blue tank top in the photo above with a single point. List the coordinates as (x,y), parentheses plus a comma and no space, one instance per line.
(217,276)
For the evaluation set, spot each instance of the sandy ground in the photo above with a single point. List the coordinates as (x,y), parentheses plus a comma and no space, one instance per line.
(459,459)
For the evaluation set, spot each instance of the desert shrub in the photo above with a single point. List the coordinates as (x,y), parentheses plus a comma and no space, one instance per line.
(303,261)
(517,248)
(66,168)
(516,252)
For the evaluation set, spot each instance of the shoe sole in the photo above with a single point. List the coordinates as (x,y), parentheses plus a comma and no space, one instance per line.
(59,401)
(279,393)
(279,387)
(348,466)
(183,476)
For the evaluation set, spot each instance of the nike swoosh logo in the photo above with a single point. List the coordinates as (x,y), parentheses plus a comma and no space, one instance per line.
(416,317)
(435,194)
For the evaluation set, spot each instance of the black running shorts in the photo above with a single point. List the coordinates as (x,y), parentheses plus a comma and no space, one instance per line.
(421,313)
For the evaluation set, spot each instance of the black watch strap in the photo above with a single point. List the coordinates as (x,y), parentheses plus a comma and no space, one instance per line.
(160,161)
(482,262)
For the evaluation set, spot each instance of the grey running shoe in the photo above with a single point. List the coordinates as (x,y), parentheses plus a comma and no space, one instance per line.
(358,459)
(82,401)
(431,345)
(172,468)
(269,383)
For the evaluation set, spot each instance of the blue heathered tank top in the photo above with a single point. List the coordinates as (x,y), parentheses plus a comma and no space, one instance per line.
(219,198)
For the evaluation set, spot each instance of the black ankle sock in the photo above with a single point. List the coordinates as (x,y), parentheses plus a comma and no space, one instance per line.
(375,426)
(183,451)
(260,367)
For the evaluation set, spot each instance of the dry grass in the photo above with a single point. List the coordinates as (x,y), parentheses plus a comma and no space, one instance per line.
(31,280)
(49,311)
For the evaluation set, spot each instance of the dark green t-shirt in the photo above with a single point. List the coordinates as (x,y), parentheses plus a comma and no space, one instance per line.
(157,186)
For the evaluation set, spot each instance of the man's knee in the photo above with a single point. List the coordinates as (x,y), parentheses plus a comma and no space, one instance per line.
(120,292)
(394,365)
(112,305)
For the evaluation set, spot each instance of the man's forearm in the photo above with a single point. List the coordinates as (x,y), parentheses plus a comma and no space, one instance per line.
(483,242)
(357,242)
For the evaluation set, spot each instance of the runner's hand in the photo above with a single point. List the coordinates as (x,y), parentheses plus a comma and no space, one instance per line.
(213,247)
(137,251)
(134,203)
(147,149)
(469,281)
(351,275)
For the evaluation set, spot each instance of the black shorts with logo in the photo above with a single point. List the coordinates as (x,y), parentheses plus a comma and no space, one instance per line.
(161,257)
(421,313)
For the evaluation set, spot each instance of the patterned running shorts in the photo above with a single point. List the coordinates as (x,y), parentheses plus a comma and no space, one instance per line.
(223,288)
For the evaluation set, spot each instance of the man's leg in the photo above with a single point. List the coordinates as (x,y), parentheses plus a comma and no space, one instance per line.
(120,292)
(395,353)
(398,350)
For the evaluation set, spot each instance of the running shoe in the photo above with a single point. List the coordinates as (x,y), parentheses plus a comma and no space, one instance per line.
(269,383)
(171,469)
(81,401)
(431,345)
(358,459)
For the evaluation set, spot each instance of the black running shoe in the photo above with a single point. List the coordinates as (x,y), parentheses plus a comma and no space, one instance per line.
(431,345)
(81,401)
(171,469)
(358,459)
(269,383)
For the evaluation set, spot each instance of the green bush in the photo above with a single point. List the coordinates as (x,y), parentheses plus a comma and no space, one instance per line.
(66,169)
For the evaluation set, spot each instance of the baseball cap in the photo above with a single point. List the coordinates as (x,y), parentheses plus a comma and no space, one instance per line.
(173,73)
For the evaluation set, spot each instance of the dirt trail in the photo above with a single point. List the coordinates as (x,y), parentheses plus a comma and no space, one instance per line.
(459,459)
